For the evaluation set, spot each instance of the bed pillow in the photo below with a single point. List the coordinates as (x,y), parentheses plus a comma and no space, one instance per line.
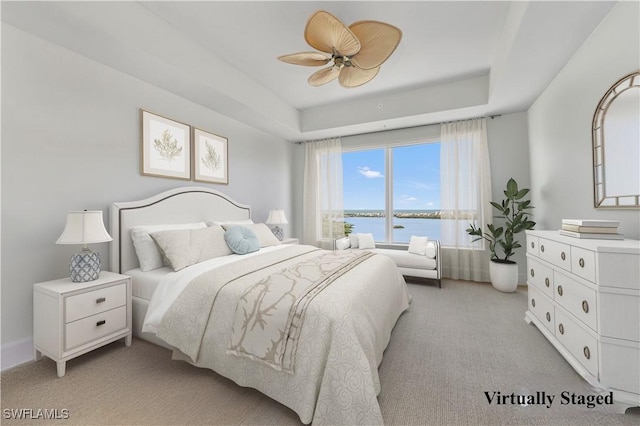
(365,241)
(241,240)
(342,243)
(229,222)
(353,240)
(147,251)
(418,245)
(186,247)
(431,250)
(261,231)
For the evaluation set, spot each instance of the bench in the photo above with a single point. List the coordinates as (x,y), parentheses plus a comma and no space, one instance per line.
(410,264)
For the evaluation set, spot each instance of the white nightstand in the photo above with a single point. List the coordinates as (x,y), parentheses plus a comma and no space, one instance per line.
(70,319)
(289,241)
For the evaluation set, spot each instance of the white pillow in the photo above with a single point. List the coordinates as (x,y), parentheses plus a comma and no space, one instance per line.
(431,249)
(342,243)
(353,240)
(186,247)
(418,245)
(230,222)
(365,241)
(262,231)
(149,256)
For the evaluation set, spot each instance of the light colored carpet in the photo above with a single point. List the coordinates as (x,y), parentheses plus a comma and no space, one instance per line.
(453,344)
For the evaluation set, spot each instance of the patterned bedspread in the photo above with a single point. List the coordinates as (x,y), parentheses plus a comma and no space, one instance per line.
(307,327)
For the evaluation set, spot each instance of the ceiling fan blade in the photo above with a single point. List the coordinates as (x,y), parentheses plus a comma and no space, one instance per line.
(309,59)
(378,41)
(324,76)
(354,76)
(326,33)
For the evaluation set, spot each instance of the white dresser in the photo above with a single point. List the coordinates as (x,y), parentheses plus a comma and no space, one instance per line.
(584,296)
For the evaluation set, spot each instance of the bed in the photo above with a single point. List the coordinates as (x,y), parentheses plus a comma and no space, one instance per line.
(306,327)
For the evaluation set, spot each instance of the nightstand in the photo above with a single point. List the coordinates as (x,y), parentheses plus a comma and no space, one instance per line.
(289,241)
(71,319)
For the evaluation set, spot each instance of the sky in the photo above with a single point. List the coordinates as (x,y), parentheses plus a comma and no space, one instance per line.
(416,178)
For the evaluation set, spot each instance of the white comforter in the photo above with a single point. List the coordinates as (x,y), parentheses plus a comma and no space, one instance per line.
(347,328)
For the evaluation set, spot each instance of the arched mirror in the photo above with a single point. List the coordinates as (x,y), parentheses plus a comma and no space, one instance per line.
(616,145)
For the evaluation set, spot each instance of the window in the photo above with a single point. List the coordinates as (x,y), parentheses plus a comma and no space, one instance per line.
(393,192)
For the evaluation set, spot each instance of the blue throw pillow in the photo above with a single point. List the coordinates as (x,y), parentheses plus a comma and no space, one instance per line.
(241,240)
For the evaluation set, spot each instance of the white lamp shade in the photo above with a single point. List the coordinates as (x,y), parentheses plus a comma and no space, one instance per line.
(84,227)
(276,217)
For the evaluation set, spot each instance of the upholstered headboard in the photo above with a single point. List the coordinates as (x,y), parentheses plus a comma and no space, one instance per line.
(180,205)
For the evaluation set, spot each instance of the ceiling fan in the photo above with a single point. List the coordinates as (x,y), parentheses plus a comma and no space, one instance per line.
(357,51)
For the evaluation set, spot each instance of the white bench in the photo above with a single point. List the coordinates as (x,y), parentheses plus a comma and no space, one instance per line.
(409,264)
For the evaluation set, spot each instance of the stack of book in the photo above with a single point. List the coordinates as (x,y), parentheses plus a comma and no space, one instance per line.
(591,228)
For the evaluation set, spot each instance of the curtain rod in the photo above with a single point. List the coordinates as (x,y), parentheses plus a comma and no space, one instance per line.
(401,128)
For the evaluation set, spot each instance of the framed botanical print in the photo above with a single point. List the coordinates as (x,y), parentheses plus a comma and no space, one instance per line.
(210,157)
(166,147)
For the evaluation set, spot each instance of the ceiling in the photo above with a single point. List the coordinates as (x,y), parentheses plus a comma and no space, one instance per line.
(456,59)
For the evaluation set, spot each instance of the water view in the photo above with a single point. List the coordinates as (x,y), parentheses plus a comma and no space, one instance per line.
(406,223)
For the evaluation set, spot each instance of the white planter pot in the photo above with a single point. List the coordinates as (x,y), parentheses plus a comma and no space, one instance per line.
(504,276)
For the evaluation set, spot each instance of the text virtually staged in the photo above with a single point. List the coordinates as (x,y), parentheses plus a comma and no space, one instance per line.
(547,399)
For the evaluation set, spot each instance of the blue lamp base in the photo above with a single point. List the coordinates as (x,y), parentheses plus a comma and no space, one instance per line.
(84,267)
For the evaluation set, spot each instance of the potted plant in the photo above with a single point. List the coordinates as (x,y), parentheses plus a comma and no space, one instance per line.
(514,211)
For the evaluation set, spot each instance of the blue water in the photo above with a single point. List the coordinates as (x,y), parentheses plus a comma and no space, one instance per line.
(375,225)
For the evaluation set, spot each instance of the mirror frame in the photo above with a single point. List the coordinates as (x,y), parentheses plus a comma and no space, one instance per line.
(600,197)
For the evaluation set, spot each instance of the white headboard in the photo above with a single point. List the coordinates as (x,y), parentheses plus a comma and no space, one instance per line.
(180,205)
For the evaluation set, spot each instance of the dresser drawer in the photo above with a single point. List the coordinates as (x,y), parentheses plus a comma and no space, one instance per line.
(533,245)
(540,276)
(576,298)
(556,253)
(542,308)
(96,301)
(578,341)
(583,263)
(94,327)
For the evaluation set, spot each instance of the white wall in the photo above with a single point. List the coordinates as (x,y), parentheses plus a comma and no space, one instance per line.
(71,140)
(560,123)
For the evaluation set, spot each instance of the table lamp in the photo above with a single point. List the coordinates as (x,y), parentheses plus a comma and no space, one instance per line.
(85,227)
(277,217)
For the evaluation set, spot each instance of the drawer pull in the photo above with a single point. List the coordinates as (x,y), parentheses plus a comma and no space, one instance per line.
(563,256)
(546,282)
(533,274)
(102,299)
(533,302)
(99,323)
(587,352)
(581,262)
(542,248)
(533,245)
(585,306)
(560,291)
(561,329)
(548,317)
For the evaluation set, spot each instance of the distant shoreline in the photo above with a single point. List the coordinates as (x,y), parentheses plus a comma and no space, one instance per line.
(400,215)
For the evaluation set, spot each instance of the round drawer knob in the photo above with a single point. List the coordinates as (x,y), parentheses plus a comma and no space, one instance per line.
(585,306)
(581,262)
(533,302)
(563,256)
(548,317)
(542,248)
(546,282)
(561,329)
(587,352)
(560,291)
(533,274)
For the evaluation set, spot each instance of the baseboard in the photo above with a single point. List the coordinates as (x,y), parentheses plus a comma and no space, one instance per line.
(16,353)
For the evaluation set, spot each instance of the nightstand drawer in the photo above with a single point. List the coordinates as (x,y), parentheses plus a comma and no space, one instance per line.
(94,327)
(94,302)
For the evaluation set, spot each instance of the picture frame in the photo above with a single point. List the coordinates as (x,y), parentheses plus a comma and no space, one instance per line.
(210,157)
(165,147)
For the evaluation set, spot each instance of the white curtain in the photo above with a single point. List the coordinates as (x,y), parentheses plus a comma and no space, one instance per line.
(323,205)
(465,181)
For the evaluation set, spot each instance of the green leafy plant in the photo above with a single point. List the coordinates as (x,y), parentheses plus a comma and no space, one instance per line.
(514,211)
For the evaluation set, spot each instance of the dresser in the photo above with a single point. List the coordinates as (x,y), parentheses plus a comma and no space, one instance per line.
(71,319)
(584,296)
